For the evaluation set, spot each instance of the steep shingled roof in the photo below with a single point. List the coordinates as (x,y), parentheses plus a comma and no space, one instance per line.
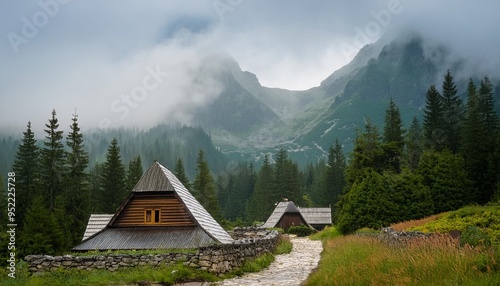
(317,215)
(159,178)
(96,223)
(279,211)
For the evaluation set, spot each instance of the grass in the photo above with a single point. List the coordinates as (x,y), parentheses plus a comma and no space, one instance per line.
(164,274)
(328,233)
(167,275)
(486,218)
(437,260)
(284,246)
(363,260)
(415,223)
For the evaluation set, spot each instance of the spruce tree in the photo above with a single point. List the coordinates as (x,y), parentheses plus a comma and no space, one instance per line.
(478,142)
(27,169)
(486,103)
(444,174)
(280,189)
(393,126)
(181,174)
(134,173)
(433,120)
(113,180)
(286,179)
(367,153)
(204,187)
(95,179)
(261,205)
(53,161)
(393,138)
(77,186)
(414,144)
(42,233)
(452,114)
(334,180)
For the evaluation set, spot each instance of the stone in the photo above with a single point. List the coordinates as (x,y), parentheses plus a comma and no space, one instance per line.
(66,263)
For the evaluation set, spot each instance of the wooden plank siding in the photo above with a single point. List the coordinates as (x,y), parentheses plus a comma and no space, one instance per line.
(290,219)
(173,212)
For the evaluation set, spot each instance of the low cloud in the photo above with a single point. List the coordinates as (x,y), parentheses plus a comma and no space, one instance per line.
(94,57)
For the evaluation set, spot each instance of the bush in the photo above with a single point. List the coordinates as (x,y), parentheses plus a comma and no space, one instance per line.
(328,233)
(474,236)
(300,230)
(284,246)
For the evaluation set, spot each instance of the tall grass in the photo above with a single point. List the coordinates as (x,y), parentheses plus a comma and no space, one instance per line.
(415,223)
(361,260)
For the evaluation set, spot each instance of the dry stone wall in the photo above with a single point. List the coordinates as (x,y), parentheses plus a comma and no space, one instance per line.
(220,258)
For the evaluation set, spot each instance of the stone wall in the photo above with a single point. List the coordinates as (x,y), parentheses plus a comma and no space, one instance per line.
(221,258)
(395,237)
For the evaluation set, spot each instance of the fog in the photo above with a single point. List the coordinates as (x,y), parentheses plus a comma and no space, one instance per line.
(131,63)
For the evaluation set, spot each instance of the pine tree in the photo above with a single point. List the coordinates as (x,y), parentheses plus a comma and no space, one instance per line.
(433,120)
(452,114)
(95,179)
(261,205)
(41,234)
(393,126)
(77,187)
(280,192)
(204,187)
(334,180)
(181,174)
(367,153)
(478,143)
(113,180)
(134,173)
(444,174)
(393,138)
(414,146)
(53,161)
(486,107)
(26,167)
(286,179)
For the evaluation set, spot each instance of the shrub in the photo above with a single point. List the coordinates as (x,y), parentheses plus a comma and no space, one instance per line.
(328,233)
(284,246)
(300,230)
(474,236)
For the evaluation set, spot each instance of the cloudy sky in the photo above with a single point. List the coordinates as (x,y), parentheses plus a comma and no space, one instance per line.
(90,56)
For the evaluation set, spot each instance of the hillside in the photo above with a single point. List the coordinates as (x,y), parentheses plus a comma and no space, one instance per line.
(248,120)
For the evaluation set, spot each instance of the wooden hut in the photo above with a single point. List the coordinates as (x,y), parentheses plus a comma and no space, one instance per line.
(317,217)
(160,213)
(284,216)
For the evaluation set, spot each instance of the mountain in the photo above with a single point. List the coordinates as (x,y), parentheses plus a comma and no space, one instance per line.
(248,120)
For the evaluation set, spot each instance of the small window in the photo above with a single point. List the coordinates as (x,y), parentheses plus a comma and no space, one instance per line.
(157,216)
(152,216)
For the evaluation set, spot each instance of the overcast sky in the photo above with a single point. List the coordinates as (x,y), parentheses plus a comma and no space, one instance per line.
(92,55)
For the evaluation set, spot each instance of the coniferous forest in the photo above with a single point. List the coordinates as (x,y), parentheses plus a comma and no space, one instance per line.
(396,172)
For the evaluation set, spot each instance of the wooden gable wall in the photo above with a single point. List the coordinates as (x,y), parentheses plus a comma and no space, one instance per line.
(172,210)
(290,219)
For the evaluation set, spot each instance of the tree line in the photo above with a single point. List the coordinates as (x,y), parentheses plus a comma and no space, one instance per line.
(449,160)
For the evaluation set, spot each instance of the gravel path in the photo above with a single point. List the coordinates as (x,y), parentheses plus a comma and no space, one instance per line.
(287,269)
